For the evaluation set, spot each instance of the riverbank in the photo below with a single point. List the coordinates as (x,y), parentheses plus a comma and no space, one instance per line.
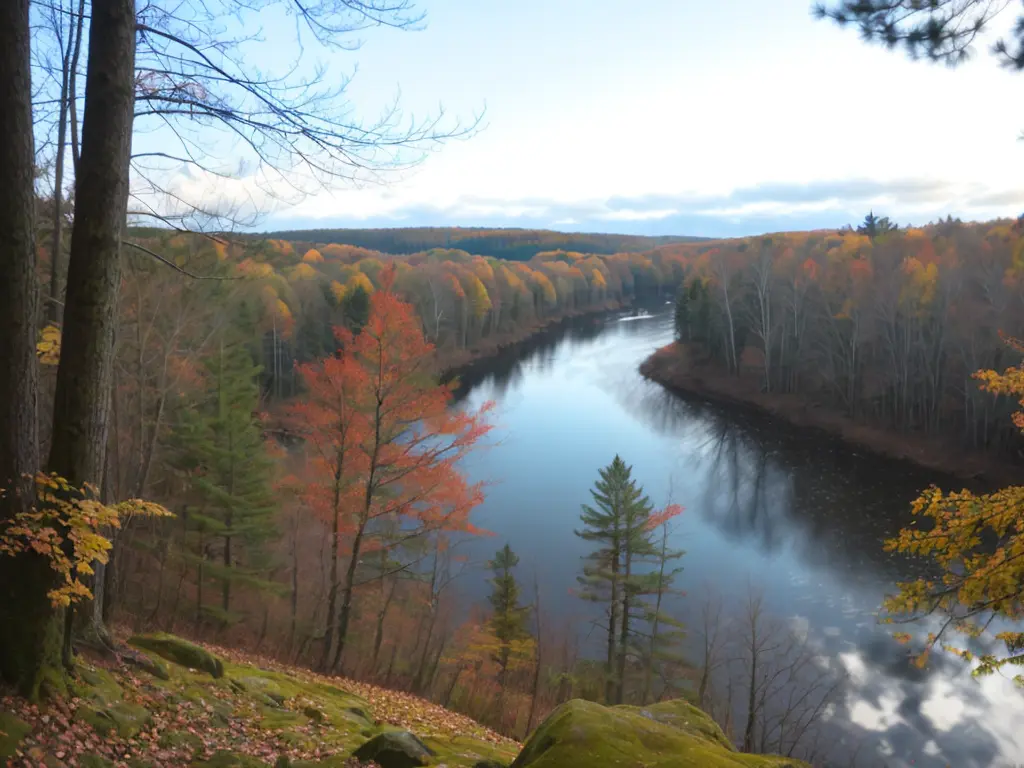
(451,362)
(672,367)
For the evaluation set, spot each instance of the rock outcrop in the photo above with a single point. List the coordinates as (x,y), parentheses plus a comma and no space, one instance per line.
(672,734)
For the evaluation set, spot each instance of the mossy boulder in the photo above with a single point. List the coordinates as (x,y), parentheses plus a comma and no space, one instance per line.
(155,667)
(181,652)
(395,749)
(581,734)
(12,731)
(225,759)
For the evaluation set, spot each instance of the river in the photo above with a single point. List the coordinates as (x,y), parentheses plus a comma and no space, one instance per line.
(795,517)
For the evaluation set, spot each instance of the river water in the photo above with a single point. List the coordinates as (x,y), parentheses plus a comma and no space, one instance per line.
(795,517)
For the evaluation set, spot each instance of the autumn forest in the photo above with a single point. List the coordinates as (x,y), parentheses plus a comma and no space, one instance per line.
(237,478)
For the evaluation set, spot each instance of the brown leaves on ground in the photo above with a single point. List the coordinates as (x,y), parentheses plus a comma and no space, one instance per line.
(221,719)
(404,710)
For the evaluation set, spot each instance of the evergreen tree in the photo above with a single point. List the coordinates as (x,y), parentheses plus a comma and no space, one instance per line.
(508,624)
(220,448)
(875,226)
(355,309)
(618,522)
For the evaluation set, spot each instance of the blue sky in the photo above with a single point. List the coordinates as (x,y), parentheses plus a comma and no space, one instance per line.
(669,117)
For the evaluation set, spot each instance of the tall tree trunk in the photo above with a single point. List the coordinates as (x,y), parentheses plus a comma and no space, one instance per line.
(82,401)
(624,631)
(535,688)
(345,614)
(29,636)
(332,593)
(613,614)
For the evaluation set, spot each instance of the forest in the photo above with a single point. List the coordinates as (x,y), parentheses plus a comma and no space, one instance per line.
(884,325)
(510,244)
(246,440)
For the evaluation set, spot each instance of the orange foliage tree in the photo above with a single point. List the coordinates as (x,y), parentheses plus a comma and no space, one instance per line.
(388,446)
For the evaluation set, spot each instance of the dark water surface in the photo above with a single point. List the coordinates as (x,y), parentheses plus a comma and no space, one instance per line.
(799,516)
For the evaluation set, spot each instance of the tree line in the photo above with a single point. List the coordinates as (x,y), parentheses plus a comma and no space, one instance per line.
(510,244)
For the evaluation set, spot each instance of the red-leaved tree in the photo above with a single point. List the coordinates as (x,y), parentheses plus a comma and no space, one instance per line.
(386,448)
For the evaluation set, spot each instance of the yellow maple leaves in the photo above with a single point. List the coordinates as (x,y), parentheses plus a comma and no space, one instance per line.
(48,346)
(977,542)
(66,527)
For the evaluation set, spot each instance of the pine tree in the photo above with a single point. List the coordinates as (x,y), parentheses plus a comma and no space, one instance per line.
(619,522)
(508,624)
(355,308)
(220,448)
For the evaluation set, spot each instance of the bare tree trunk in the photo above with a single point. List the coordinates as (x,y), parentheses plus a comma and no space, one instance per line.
(332,591)
(29,636)
(535,689)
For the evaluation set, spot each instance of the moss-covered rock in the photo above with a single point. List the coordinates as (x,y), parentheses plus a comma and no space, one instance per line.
(226,759)
(155,667)
(12,731)
(395,749)
(581,734)
(180,652)
(489,764)
(97,686)
(122,718)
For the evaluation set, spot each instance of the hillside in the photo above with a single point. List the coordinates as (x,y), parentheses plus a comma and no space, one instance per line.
(168,702)
(510,244)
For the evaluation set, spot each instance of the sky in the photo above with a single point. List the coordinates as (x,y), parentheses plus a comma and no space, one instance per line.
(666,117)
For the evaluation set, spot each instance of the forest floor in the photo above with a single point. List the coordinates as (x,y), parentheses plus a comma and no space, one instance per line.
(673,367)
(180,704)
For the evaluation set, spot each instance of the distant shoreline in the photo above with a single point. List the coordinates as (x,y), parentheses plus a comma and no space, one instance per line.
(452,362)
(671,367)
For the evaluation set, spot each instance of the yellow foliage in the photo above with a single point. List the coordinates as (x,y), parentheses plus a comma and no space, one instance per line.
(65,527)
(302,272)
(312,256)
(338,291)
(48,346)
(977,580)
(478,296)
(358,280)
(597,280)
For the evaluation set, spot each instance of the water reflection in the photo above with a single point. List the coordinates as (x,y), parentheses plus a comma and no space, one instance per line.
(798,514)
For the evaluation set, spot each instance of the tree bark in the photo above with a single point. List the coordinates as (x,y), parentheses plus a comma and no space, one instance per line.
(82,401)
(29,636)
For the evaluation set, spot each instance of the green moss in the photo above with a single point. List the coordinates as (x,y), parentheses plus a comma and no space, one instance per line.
(12,731)
(180,652)
(97,686)
(685,716)
(122,718)
(180,739)
(279,719)
(225,759)
(94,761)
(580,734)
(466,751)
